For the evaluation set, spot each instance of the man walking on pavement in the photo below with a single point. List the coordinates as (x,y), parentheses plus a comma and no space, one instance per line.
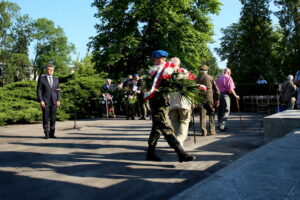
(212,101)
(159,103)
(226,87)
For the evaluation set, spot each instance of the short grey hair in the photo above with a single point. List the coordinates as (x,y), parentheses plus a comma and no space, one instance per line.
(49,65)
(226,70)
(176,61)
(290,77)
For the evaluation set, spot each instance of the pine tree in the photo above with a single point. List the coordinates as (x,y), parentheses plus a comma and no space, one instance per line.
(289,20)
(249,44)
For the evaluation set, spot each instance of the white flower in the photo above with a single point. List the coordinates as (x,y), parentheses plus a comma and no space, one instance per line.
(182,76)
(169,70)
(153,70)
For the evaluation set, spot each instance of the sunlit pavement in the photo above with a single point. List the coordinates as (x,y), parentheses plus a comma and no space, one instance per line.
(105,159)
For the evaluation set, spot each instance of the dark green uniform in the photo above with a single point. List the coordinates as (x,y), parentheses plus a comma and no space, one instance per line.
(208,108)
(160,118)
(162,125)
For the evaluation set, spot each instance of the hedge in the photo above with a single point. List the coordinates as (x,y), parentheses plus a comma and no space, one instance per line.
(18,101)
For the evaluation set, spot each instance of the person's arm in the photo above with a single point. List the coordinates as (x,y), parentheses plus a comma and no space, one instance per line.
(58,94)
(234,94)
(232,86)
(39,93)
(216,93)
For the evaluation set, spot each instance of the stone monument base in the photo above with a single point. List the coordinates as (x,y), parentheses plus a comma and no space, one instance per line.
(280,124)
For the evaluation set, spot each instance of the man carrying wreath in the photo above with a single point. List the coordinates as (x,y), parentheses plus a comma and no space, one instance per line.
(159,103)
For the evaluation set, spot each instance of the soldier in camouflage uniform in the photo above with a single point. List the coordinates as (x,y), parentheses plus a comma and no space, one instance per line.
(160,120)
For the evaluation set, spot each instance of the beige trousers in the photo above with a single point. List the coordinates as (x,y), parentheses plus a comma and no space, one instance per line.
(180,119)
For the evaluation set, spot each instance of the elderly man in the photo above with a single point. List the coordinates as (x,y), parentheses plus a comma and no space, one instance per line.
(211,101)
(297,83)
(226,87)
(108,86)
(289,92)
(180,111)
(159,103)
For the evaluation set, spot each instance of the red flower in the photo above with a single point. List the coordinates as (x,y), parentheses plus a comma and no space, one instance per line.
(172,65)
(166,76)
(180,70)
(153,73)
(191,77)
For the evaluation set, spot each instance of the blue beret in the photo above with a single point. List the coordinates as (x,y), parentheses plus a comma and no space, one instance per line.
(159,54)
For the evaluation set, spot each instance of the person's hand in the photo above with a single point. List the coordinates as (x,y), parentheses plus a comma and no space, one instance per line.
(58,103)
(237,97)
(42,104)
(217,103)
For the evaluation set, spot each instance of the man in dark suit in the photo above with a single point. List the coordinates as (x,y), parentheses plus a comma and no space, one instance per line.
(48,94)
(108,87)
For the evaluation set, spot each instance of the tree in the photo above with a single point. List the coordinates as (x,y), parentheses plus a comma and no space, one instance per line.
(51,46)
(211,62)
(8,12)
(129,30)
(85,67)
(15,31)
(289,20)
(249,44)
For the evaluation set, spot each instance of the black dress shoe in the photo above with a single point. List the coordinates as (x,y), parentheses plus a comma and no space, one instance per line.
(52,136)
(46,135)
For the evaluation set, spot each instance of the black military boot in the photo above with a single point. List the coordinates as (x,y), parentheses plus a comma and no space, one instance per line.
(182,155)
(151,154)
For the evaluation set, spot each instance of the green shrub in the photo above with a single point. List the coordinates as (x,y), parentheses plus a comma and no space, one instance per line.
(18,101)
(77,95)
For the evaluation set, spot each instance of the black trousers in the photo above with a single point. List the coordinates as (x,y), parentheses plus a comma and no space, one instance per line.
(49,112)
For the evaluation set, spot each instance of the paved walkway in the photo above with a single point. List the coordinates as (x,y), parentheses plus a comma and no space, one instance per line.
(269,172)
(105,159)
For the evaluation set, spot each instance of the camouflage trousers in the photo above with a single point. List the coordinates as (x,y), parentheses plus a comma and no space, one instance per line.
(161,124)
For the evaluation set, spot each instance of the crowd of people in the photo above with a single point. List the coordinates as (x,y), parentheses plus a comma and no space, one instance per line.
(127,97)
(171,113)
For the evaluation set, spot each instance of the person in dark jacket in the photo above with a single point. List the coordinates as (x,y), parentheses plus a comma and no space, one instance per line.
(289,92)
(161,124)
(48,94)
(108,86)
(211,101)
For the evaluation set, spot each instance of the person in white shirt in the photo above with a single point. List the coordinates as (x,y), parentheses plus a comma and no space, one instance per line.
(180,111)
